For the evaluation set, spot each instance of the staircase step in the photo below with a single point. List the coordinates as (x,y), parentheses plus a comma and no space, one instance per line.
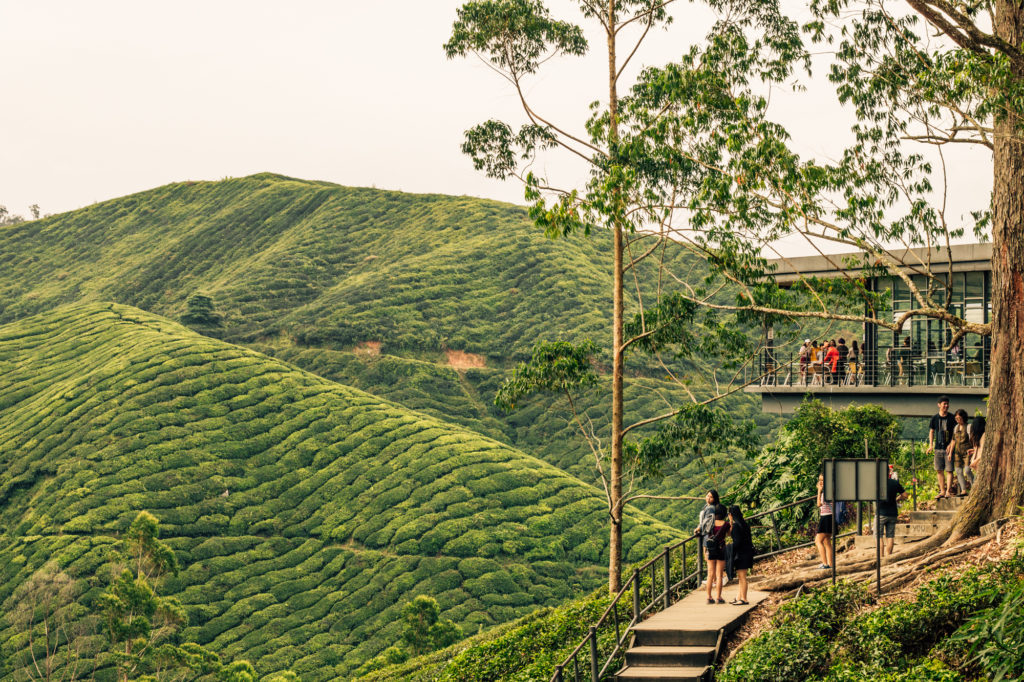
(949,503)
(649,637)
(932,516)
(868,541)
(665,673)
(654,656)
(917,529)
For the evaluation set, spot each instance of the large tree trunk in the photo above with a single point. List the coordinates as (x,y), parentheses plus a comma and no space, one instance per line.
(1000,486)
(615,538)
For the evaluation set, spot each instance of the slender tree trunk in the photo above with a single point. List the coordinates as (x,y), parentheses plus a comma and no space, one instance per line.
(999,489)
(615,537)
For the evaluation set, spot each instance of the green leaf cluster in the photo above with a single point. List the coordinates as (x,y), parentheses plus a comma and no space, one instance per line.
(787,469)
(835,634)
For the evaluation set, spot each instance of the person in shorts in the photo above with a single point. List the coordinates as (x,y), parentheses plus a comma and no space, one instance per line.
(940,435)
(888,511)
(714,543)
(826,527)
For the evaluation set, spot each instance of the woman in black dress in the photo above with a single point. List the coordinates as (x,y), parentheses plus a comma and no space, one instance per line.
(742,551)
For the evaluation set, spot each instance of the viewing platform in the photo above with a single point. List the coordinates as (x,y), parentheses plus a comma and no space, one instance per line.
(903,371)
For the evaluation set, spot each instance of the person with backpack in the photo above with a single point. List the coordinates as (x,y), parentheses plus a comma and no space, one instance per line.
(959,452)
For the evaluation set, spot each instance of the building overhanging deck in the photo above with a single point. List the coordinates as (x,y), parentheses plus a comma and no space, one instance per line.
(903,401)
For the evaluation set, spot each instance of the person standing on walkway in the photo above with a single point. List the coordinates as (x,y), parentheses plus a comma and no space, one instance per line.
(826,526)
(854,359)
(707,514)
(714,543)
(742,552)
(841,366)
(888,512)
(940,434)
(805,358)
(958,452)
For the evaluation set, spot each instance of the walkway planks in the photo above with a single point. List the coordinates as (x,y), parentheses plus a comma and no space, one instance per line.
(680,644)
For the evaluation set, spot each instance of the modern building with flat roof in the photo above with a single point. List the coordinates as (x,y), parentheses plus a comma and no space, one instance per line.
(904,372)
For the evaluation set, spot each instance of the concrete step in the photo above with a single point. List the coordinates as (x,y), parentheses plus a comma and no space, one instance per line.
(949,503)
(667,673)
(647,636)
(932,516)
(917,529)
(686,656)
(868,541)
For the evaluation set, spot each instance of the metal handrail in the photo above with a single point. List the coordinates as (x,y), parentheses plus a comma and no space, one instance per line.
(659,600)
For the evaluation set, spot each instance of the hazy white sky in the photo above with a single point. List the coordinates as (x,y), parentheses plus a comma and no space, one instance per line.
(103,98)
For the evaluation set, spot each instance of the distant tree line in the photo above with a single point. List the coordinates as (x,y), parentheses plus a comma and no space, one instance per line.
(8,218)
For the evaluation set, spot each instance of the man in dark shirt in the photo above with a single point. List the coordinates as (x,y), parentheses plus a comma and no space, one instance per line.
(940,434)
(888,511)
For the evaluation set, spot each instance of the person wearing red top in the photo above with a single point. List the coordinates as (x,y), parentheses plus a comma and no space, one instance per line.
(832,362)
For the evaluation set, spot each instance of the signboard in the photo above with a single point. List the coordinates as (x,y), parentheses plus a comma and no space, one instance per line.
(856,480)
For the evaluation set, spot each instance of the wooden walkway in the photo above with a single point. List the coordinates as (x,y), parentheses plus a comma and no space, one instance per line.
(681,643)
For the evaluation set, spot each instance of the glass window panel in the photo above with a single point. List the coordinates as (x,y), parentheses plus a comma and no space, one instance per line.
(975,285)
(975,312)
(900,291)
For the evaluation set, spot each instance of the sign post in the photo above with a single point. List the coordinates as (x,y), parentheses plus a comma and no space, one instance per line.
(860,480)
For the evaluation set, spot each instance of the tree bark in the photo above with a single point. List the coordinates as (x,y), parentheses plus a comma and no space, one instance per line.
(615,537)
(999,489)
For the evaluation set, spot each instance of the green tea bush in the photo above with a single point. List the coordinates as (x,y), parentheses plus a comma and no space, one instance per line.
(900,641)
(783,654)
(799,643)
(900,631)
(993,639)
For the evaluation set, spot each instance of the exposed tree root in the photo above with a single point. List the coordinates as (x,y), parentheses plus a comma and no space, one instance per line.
(897,568)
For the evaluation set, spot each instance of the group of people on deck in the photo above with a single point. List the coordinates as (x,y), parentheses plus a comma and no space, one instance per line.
(716,524)
(834,362)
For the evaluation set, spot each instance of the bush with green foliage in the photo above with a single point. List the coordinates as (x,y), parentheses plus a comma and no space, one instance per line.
(993,639)
(200,312)
(787,469)
(829,634)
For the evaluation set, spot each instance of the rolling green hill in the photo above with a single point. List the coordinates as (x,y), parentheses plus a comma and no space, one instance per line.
(366,287)
(305,512)
(320,263)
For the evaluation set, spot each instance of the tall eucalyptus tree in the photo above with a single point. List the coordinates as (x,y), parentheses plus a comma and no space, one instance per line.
(515,37)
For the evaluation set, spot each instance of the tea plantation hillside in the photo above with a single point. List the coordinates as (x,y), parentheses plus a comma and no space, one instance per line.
(305,512)
(320,263)
(311,271)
